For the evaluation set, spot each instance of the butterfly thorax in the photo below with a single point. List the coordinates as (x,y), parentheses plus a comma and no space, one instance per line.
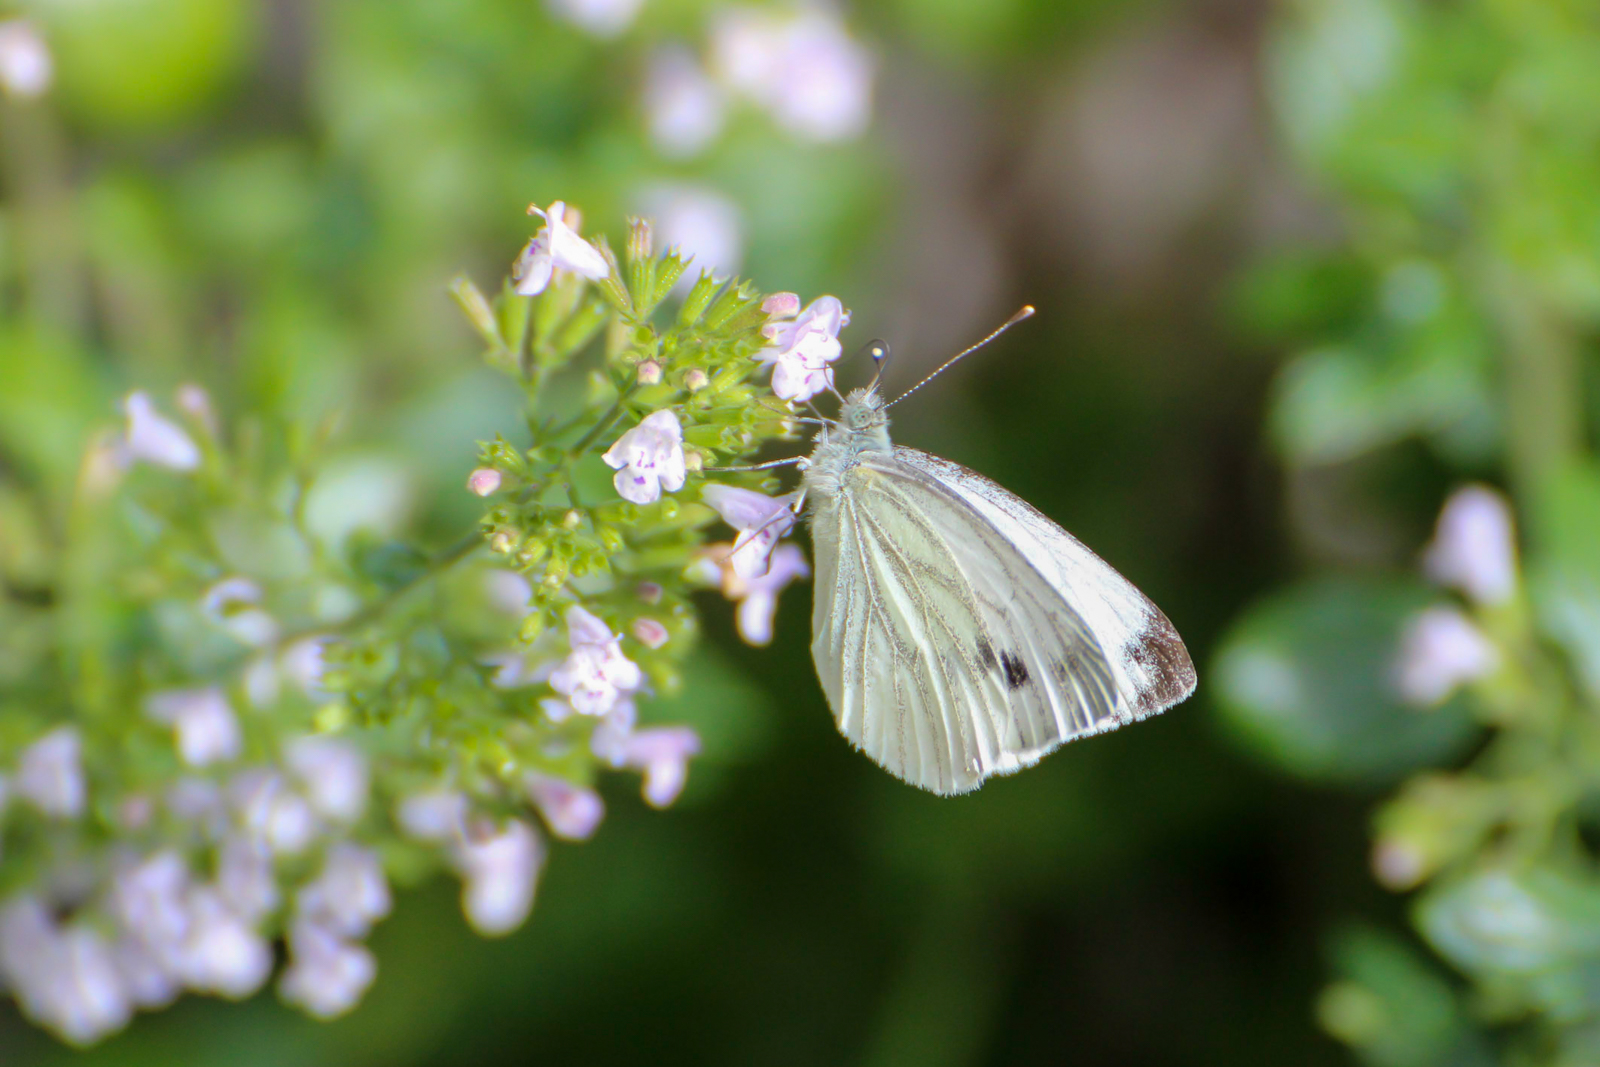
(862,427)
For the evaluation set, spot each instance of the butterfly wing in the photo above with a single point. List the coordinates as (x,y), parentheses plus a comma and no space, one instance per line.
(959,633)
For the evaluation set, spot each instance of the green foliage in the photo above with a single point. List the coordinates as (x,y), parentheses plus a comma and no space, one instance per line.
(1460,311)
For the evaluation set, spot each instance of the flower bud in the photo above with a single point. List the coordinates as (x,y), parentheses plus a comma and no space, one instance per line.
(695,380)
(781,305)
(650,633)
(641,243)
(649,372)
(484,481)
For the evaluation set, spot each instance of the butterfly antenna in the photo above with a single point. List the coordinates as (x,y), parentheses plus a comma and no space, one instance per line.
(879,351)
(1025,312)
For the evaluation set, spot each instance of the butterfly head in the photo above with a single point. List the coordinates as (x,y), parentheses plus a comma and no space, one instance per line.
(862,413)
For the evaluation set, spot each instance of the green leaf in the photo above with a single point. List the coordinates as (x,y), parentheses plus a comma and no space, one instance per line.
(1513,922)
(1305,679)
(1564,571)
(1389,1004)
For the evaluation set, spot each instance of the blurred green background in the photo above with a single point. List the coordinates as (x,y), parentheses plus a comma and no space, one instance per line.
(270,196)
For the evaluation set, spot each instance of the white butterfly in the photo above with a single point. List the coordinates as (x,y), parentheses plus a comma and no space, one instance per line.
(958,632)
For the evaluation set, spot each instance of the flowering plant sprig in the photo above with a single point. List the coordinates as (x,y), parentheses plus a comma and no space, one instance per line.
(265,706)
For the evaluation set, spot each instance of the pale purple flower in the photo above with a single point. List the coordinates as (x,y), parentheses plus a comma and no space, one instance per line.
(484,481)
(648,459)
(154,438)
(149,900)
(221,953)
(84,996)
(333,773)
(50,774)
(1440,650)
(302,663)
(572,812)
(509,591)
(1474,546)
(804,69)
(500,870)
(684,108)
(327,975)
(231,602)
(609,741)
(272,813)
(556,245)
(350,893)
(602,18)
(596,674)
(758,597)
(202,722)
(761,521)
(702,224)
(26,68)
(803,347)
(147,982)
(246,880)
(432,815)
(196,403)
(662,754)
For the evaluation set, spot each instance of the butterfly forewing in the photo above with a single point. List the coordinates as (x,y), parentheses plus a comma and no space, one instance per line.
(948,653)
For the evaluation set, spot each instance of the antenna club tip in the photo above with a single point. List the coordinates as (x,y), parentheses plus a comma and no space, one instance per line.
(1027,311)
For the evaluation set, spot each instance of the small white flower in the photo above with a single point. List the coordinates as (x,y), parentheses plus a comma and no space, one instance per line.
(572,812)
(197,800)
(1474,546)
(602,18)
(432,815)
(154,438)
(202,722)
(221,953)
(231,602)
(26,68)
(758,597)
(326,975)
(684,108)
(662,754)
(803,347)
(484,481)
(349,895)
(702,224)
(760,519)
(1441,649)
(648,459)
(50,774)
(500,870)
(333,774)
(556,245)
(596,674)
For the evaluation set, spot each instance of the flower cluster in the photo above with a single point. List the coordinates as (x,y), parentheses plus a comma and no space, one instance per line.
(802,68)
(300,727)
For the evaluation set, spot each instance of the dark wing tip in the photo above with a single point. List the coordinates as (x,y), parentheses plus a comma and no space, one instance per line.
(1165,660)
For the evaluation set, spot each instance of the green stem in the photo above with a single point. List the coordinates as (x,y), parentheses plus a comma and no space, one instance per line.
(1543,386)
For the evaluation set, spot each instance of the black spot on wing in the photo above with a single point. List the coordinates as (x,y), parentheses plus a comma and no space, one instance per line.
(1016,670)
